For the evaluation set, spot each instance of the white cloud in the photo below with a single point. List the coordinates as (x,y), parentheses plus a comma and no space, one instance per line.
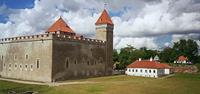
(136,42)
(136,21)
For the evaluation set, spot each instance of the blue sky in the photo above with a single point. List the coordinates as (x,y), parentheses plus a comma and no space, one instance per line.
(14,4)
(150,23)
(17,4)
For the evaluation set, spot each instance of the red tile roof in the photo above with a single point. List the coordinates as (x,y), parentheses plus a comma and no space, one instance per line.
(61,26)
(148,64)
(182,58)
(104,18)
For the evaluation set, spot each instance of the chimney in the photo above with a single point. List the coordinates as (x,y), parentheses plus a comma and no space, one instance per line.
(140,59)
(151,59)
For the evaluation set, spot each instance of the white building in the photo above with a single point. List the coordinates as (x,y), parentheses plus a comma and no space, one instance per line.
(182,60)
(148,68)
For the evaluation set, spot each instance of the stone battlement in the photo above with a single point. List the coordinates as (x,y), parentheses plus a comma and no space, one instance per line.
(50,36)
(77,38)
(27,38)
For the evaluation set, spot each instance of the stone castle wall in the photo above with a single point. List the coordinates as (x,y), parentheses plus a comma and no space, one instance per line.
(20,55)
(27,57)
(78,58)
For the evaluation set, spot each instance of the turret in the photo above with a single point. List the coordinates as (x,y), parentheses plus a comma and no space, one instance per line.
(104,31)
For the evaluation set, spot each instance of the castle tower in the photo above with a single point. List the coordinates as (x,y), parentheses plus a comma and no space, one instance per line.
(104,31)
(60,27)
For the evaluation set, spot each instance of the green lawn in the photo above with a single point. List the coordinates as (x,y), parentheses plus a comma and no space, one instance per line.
(178,84)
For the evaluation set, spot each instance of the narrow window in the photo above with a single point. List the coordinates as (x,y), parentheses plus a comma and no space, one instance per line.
(4,64)
(141,70)
(26,56)
(15,57)
(15,65)
(132,70)
(20,66)
(9,65)
(38,63)
(67,63)
(88,63)
(129,70)
(75,61)
(2,58)
(31,66)
(145,71)
(136,70)
(149,71)
(26,66)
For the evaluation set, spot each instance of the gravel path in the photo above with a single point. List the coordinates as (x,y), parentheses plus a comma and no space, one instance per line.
(49,84)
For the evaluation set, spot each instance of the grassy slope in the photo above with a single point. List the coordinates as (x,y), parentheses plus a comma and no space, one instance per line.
(180,84)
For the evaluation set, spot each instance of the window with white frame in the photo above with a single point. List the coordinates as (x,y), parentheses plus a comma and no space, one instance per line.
(154,71)
(26,67)
(20,66)
(15,66)
(31,67)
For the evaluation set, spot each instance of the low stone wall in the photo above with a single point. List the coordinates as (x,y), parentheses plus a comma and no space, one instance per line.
(118,72)
(185,69)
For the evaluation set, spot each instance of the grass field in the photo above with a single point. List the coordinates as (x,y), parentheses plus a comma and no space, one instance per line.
(178,84)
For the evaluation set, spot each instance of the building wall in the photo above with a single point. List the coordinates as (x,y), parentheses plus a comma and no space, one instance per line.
(20,57)
(78,58)
(105,32)
(145,72)
(167,71)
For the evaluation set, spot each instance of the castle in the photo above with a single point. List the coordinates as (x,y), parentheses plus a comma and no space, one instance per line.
(58,54)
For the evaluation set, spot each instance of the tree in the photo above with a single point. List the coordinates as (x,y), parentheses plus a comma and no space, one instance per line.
(168,55)
(115,56)
(188,48)
(125,56)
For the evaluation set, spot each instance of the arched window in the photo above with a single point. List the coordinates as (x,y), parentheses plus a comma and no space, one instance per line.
(149,71)
(154,71)
(67,63)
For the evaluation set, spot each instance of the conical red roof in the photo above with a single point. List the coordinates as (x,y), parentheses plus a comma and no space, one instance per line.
(61,26)
(104,18)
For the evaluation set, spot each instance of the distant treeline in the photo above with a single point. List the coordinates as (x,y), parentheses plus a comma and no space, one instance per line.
(129,54)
